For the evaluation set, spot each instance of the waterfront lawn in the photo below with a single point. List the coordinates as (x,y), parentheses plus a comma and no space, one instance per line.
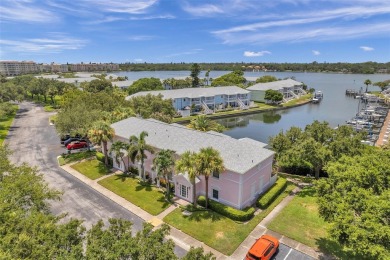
(297,101)
(143,195)
(93,169)
(5,124)
(300,221)
(217,231)
(74,157)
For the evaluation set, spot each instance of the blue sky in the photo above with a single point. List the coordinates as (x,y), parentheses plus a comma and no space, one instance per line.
(195,31)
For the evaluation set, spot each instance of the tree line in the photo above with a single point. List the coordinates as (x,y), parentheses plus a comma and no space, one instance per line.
(339,67)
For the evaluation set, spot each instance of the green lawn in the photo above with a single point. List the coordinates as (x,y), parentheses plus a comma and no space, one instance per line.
(217,231)
(93,169)
(300,221)
(297,101)
(74,157)
(145,196)
(5,124)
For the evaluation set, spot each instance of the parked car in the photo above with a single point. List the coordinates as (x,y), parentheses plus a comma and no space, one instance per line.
(77,145)
(67,136)
(264,248)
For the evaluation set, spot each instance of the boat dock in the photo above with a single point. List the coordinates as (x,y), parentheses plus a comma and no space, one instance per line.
(383,138)
(353,93)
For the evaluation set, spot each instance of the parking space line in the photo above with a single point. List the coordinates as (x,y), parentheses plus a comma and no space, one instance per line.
(288,254)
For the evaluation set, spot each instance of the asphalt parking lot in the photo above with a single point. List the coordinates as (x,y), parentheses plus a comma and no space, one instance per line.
(286,253)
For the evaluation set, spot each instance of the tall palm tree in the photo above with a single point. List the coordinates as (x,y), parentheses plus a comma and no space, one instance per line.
(164,163)
(101,132)
(210,161)
(189,164)
(204,124)
(367,82)
(137,149)
(118,148)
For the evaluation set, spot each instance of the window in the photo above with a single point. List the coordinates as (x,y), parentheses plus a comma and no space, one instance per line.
(269,250)
(216,175)
(215,194)
(183,191)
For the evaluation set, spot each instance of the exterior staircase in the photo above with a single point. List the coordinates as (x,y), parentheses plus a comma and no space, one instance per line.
(242,105)
(206,109)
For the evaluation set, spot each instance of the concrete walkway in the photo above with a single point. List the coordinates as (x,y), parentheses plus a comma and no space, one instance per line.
(185,241)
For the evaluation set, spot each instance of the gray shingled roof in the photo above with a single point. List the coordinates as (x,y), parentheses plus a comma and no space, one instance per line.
(238,155)
(193,92)
(275,85)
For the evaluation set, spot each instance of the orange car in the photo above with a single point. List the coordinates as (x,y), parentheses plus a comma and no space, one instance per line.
(263,249)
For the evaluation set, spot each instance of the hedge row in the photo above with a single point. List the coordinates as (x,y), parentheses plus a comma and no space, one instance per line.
(100,157)
(267,198)
(232,213)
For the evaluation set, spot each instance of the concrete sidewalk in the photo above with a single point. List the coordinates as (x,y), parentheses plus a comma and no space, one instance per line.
(185,241)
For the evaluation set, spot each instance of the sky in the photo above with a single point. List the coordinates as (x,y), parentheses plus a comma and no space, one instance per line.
(160,31)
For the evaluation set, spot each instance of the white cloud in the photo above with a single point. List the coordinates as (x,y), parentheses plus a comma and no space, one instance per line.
(366,48)
(140,37)
(190,52)
(302,34)
(138,60)
(316,53)
(25,12)
(56,44)
(122,6)
(202,10)
(255,54)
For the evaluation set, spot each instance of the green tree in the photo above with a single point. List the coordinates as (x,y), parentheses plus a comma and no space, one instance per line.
(164,163)
(235,78)
(146,106)
(382,85)
(367,82)
(198,254)
(266,78)
(273,95)
(100,133)
(138,147)
(119,149)
(204,124)
(189,164)
(195,71)
(210,162)
(145,84)
(355,199)
(97,85)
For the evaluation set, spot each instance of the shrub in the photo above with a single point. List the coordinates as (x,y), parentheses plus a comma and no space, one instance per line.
(192,208)
(100,157)
(268,197)
(232,213)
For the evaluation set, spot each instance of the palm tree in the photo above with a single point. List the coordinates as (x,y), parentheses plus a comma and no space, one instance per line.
(101,132)
(137,149)
(204,124)
(163,163)
(189,164)
(210,162)
(367,82)
(118,148)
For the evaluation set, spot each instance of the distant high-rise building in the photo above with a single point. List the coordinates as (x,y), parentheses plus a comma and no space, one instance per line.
(14,68)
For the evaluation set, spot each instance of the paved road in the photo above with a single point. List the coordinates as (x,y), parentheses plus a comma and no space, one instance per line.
(35,142)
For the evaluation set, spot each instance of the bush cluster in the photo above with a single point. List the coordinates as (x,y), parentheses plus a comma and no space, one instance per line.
(232,213)
(100,157)
(268,197)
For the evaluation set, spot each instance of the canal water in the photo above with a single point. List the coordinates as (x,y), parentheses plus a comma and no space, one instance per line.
(335,107)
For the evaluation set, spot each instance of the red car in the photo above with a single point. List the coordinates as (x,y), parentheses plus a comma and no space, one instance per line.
(77,145)
(263,249)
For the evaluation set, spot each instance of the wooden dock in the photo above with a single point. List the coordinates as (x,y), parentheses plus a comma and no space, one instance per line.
(383,138)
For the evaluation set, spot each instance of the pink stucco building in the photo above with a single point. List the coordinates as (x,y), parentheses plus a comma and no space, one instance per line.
(247,162)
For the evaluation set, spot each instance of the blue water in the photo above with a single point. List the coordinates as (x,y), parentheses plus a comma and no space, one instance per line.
(335,107)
